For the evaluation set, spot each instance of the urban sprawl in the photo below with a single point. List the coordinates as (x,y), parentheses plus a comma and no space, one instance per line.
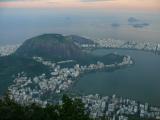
(26,90)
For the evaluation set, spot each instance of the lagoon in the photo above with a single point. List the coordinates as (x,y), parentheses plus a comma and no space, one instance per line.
(139,82)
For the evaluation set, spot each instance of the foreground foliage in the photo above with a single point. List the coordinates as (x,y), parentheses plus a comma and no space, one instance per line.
(69,110)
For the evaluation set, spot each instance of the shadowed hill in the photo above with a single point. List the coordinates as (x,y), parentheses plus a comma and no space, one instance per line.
(58,47)
(50,46)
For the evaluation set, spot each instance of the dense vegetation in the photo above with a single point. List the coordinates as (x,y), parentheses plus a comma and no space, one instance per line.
(69,110)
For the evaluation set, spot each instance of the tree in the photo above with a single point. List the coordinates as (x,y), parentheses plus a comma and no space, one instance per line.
(73,109)
(69,110)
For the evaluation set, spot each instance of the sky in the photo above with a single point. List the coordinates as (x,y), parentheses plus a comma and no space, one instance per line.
(143,5)
(118,19)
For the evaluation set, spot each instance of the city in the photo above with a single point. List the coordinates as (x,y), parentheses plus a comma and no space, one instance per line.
(79,59)
(8,49)
(118,108)
(26,90)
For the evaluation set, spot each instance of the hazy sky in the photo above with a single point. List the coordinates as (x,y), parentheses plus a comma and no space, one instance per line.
(22,19)
(151,5)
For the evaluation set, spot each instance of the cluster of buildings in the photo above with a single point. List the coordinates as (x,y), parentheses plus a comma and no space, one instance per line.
(112,43)
(40,89)
(26,89)
(118,108)
(8,49)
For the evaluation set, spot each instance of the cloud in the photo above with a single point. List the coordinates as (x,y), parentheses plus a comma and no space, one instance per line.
(95,0)
(140,25)
(9,0)
(136,23)
(132,20)
(115,25)
(44,0)
(18,0)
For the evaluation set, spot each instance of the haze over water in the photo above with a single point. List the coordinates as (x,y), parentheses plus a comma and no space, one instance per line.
(22,19)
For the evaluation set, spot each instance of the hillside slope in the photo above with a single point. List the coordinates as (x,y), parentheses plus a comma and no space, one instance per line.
(50,46)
